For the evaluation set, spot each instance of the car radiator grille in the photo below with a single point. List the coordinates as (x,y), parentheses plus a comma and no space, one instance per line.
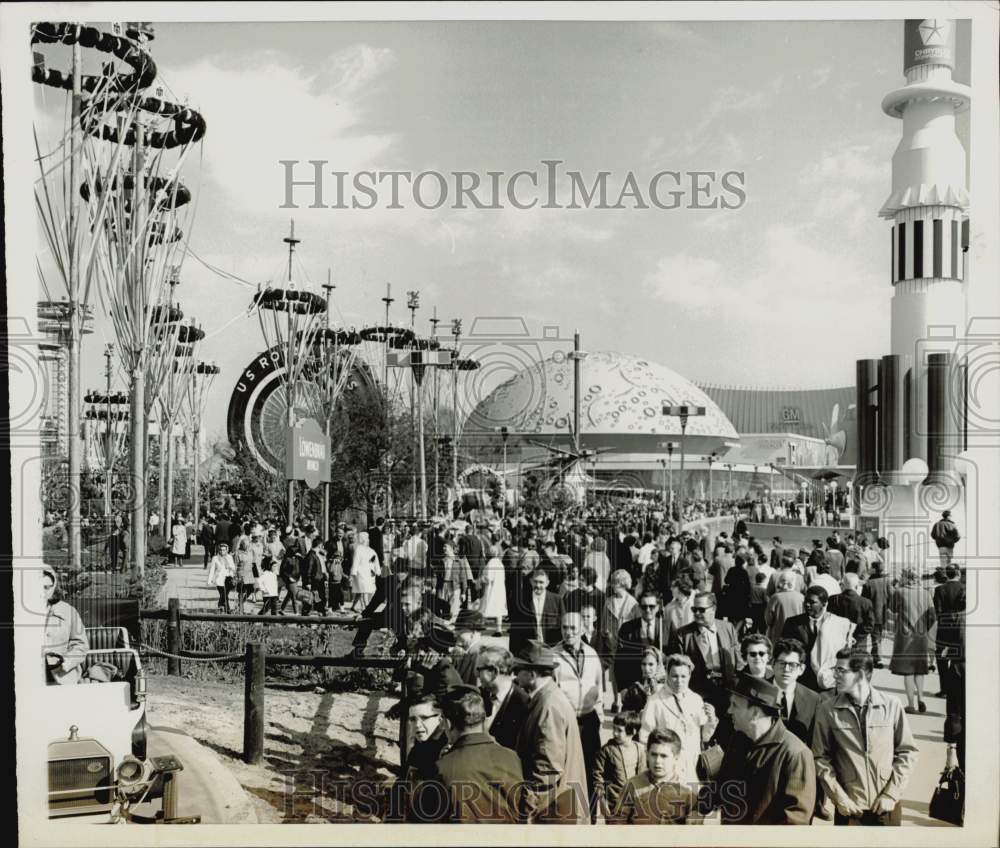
(80,784)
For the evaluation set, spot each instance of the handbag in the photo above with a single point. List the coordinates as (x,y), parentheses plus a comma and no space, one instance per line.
(948,800)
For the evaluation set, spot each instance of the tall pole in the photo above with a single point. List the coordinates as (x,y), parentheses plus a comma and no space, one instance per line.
(291,241)
(437,445)
(75,318)
(670,473)
(168,477)
(413,304)
(387,300)
(418,375)
(137,411)
(196,456)
(109,460)
(503,503)
(576,392)
(329,287)
(456,331)
(680,508)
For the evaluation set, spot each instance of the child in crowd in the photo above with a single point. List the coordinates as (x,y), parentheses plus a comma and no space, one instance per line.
(621,758)
(657,795)
(268,582)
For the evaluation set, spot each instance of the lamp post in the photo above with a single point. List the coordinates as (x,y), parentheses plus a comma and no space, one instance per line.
(684,411)
(504,433)
(805,488)
(456,331)
(413,304)
(711,459)
(833,501)
(663,481)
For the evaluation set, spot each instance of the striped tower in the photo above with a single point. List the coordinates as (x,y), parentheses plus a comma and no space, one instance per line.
(928,208)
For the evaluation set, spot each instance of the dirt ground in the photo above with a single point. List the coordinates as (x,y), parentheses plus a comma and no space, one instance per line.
(327,755)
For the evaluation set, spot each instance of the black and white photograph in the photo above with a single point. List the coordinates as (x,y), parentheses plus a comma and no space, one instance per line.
(503,414)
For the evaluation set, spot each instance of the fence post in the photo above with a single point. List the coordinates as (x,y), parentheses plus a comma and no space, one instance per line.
(174,636)
(253,704)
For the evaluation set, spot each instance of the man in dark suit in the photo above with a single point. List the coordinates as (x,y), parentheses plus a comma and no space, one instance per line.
(469,627)
(223,529)
(470,546)
(540,617)
(822,634)
(649,630)
(949,607)
(777,552)
(877,591)
(670,564)
(798,703)
(477,781)
(852,606)
(713,647)
(506,702)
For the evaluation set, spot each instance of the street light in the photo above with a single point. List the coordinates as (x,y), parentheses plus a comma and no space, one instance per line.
(711,459)
(684,411)
(504,433)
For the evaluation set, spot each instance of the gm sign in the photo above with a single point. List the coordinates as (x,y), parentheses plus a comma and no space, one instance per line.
(308,454)
(791,415)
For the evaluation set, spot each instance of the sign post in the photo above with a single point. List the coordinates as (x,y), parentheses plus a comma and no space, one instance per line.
(308,454)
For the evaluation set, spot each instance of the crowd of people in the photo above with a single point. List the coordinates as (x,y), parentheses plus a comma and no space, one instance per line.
(736,674)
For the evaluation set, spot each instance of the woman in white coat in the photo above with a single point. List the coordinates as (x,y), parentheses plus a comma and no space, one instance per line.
(221,571)
(674,706)
(178,540)
(364,568)
(493,603)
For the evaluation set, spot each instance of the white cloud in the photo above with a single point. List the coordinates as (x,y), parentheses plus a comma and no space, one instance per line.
(857,162)
(266,110)
(691,282)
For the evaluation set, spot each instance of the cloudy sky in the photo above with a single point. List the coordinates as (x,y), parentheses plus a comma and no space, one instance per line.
(788,290)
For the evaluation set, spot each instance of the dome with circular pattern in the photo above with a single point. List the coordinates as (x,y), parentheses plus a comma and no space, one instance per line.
(621,402)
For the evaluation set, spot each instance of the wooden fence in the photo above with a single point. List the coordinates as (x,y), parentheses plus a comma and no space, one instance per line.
(256,660)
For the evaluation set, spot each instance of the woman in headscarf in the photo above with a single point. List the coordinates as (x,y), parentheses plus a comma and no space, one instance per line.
(65,641)
(634,698)
(364,568)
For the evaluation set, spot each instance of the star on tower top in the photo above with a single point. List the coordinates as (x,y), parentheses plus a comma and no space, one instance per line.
(933,31)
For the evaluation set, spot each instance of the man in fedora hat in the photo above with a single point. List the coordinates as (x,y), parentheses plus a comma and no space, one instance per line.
(549,741)
(469,627)
(768,775)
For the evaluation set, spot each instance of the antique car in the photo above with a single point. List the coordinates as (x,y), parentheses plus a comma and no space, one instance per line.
(98,764)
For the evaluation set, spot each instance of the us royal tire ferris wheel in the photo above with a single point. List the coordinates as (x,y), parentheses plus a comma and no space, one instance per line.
(257,413)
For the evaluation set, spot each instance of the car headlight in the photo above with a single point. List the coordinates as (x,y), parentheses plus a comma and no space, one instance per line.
(129,775)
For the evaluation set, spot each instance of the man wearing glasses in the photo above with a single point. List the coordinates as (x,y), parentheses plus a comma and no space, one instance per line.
(636,635)
(712,646)
(798,703)
(863,747)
